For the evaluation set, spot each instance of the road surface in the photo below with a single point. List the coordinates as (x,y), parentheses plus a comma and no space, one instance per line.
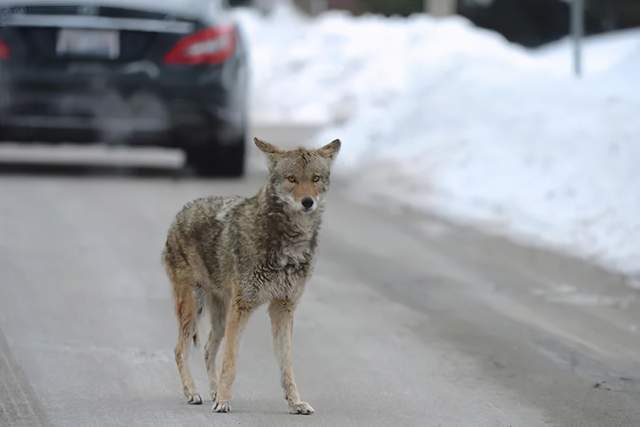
(408,320)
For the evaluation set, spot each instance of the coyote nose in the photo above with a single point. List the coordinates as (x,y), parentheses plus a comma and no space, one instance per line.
(307,202)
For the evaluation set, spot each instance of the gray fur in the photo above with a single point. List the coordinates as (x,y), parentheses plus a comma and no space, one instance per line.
(233,254)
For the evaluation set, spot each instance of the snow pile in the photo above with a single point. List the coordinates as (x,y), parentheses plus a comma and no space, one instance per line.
(450,118)
(322,70)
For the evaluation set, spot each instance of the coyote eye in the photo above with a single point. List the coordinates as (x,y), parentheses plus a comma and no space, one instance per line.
(291,179)
(316,178)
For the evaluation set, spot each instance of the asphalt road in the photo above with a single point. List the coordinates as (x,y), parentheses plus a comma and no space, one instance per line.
(408,320)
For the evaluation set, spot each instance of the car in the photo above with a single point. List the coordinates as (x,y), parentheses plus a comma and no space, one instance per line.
(169,73)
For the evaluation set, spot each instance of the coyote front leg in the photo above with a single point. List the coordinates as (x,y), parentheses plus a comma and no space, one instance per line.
(236,321)
(281,313)
(218,314)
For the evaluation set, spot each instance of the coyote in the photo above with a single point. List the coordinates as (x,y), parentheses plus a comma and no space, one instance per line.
(232,254)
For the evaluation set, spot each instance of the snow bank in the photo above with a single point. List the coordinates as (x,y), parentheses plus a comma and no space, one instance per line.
(322,70)
(446,117)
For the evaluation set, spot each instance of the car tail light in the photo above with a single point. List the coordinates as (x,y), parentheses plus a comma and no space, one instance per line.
(4,50)
(210,46)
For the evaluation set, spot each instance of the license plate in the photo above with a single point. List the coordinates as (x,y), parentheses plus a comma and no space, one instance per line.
(95,43)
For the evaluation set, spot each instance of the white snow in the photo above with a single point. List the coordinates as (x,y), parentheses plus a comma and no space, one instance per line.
(603,52)
(446,117)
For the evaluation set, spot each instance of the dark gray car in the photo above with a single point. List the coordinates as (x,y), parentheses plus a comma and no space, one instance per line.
(169,73)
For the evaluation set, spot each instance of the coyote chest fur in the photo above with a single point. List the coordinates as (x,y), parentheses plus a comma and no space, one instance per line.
(224,241)
(232,254)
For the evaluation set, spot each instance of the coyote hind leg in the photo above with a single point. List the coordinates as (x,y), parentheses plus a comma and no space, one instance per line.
(187,313)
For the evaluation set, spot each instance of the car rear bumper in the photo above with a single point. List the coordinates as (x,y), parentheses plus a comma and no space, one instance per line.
(121,109)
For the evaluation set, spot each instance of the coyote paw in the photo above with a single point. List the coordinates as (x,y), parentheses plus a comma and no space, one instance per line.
(302,408)
(221,406)
(194,399)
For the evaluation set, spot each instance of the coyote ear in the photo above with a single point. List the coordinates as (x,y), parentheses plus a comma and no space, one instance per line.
(265,147)
(330,151)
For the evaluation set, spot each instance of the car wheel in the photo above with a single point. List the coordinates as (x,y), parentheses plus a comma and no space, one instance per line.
(218,161)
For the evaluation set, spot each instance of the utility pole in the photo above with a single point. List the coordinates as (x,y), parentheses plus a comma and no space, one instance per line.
(318,6)
(577,33)
(440,7)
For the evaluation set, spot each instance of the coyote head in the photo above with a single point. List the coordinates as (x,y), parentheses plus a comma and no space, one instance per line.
(299,178)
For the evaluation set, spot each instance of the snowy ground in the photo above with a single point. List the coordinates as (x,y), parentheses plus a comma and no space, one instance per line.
(442,116)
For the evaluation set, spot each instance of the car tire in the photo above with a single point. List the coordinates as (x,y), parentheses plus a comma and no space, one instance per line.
(218,161)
